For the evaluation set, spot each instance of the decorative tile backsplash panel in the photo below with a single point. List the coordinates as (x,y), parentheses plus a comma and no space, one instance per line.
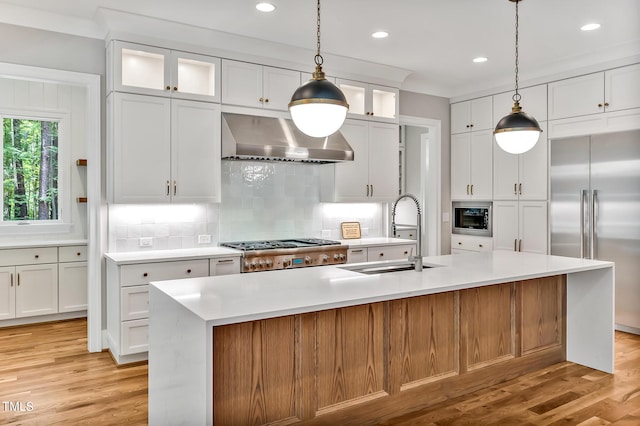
(260,200)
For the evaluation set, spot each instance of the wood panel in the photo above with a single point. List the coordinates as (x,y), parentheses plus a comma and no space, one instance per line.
(542,313)
(425,331)
(351,356)
(487,327)
(257,379)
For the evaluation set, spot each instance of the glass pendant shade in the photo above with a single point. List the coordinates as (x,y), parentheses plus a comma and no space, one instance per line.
(517,132)
(318,108)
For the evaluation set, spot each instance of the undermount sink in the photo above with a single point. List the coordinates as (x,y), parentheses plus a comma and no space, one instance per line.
(383,267)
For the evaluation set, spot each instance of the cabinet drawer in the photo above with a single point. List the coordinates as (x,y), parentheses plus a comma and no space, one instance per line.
(224,266)
(471,243)
(134,302)
(72,254)
(135,336)
(357,255)
(144,273)
(28,256)
(391,252)
(408,234)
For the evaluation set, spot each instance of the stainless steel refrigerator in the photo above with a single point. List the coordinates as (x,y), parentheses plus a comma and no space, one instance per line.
(595,210)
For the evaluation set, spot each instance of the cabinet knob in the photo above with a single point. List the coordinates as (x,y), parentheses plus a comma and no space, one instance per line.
(468,126)
(381,254)
(37,256)
(175,88)
(267,100)
(471,125)
(78,254)
(188,271)
(145,274)
(261,99)
(606,104)
(168,88)
(599,105)
(480,245)
(406,252)
(459,243)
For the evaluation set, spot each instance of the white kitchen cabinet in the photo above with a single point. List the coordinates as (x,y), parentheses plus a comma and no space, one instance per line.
(72,278)
(472,115)
(36,290)
(520,226)
(373,174)
(163,150)
(7,292)
(369,101)
(471,165)
(224,265)
(533,102)
(149,70)
(608,91)
(378,253)
(258,86)
(468,243)
(521,176)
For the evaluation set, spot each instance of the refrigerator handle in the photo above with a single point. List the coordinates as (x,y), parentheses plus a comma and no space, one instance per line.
(594,224)
(583,193)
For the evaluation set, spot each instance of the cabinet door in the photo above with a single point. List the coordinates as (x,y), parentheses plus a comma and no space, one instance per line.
(72,286)
(356,94)
(461,117)
(134,302)
(384,103)
(140,69)
(242,84)
(279,85)
(622,86)
(135,336)
(36,290)
(505,225)
(352,177)
(195,152)
(383,161)
(533,166)
(482,114)
(141,149)
(481,153)
(460,166)
(195,77)
(533,227)
(576,96)
(505,173)
(224,266)
(7,293)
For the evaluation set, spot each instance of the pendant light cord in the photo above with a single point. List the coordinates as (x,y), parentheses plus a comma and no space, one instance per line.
(516,96)
(318,58)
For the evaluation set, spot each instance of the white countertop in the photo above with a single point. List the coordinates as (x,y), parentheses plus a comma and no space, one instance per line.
(52,243)
(237,298)
(376,241)
(167,255)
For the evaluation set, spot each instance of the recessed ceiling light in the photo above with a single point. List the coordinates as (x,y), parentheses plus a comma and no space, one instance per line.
(480,59)
(380,34)
(265,7)
(590,27)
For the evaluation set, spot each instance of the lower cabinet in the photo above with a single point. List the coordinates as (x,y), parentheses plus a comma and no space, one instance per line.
(466,244)
(377,253)
(350,364)
(36,290)
(128,298)
(520,226)
(72,278)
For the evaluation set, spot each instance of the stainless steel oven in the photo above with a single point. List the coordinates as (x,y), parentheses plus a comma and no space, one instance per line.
(472,218)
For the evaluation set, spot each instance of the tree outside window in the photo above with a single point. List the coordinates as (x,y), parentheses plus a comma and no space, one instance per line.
(30,170)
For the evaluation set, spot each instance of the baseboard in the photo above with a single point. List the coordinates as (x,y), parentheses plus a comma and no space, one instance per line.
(42,318)
(627,329)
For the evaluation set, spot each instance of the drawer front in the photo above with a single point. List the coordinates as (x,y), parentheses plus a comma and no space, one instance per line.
(134,302)
(135,336)
(224,266)
(471,243)
(409,234)
(72,254)
(357,255)
(144,273)
(29,256)
(391,252)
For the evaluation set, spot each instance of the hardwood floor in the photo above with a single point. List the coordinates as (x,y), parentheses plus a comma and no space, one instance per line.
(46,372)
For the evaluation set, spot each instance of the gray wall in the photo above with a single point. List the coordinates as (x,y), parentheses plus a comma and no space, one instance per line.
(437,108)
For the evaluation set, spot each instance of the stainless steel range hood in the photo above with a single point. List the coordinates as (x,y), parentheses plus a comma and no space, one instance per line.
(248,137)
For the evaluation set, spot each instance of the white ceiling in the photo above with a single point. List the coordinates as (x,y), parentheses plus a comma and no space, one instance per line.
(432,41)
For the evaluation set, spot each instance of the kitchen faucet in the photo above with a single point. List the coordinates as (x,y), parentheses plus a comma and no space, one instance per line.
(417,259)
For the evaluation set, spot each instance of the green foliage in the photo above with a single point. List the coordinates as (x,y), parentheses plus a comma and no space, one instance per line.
(23,151)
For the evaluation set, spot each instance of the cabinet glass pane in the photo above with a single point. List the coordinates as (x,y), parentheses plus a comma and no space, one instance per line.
(196,77)
(355,98)
(384,103)
(142,69)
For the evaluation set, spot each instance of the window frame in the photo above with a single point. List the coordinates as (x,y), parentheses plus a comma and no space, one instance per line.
(62,224)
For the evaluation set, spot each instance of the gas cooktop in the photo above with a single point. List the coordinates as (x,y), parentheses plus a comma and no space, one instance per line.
(279,244)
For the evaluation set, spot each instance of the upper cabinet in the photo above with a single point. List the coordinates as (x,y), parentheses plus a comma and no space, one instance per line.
(471,166)
(473,115)
(369,101)
(608,91)
(148,70)
(258,86)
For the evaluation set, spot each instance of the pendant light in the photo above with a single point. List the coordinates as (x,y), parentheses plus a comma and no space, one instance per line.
(517,132)
(318,108)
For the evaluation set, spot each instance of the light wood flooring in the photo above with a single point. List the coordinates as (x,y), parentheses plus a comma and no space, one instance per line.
(47,367)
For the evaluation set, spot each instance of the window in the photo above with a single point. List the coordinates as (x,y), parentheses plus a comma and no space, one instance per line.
(30,169)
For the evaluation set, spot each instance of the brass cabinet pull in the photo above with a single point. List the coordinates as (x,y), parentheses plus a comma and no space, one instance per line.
(168,88)
(520,189)
(606,104)
(175,188)
(515,189)
(267,100)
(357,251)
(520,245)
(18,279)
(12,280)
(515,245)
(367,190)
(225,260)
(261,99)
(599,105)
(372,190)
(471,189)
(168,185)
(467,189)
(175,89)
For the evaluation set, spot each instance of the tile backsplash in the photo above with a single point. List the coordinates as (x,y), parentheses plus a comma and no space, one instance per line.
(260,200)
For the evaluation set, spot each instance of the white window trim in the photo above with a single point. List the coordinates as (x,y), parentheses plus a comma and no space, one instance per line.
(63,224)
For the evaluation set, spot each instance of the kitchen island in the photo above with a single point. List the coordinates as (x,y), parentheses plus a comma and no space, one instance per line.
(328,345)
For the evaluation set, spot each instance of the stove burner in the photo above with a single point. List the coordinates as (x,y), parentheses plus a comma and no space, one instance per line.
(279,244)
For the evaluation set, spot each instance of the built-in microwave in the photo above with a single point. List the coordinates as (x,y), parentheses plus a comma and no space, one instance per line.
(472,218)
